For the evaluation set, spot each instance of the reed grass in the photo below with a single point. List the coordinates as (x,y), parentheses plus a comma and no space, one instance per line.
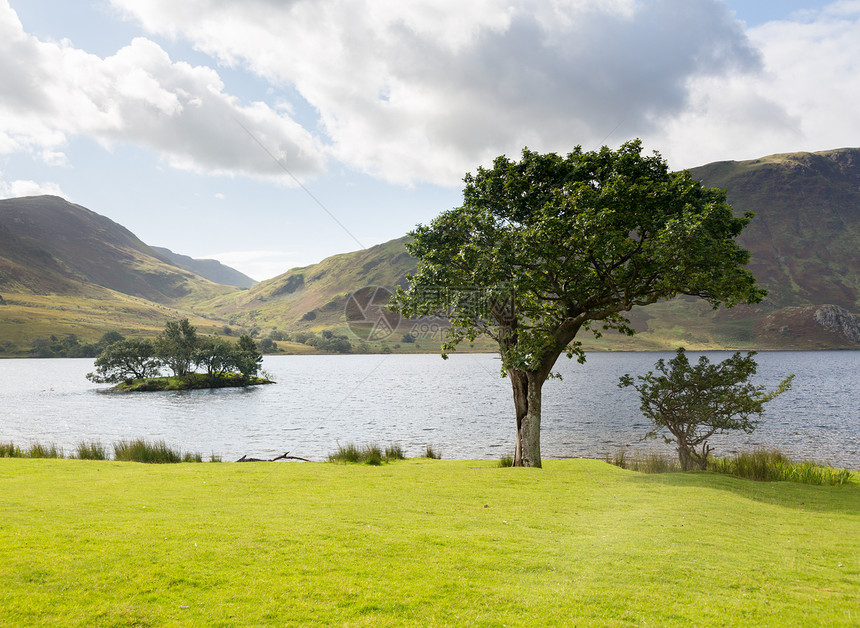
(431,453)
(763,465)
(10,450)
(38,450)
(770,465)
(648,462)
(370,453)
(394,452)
(156,452)
(91,451)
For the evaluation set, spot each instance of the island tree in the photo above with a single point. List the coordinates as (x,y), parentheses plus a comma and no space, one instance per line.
(693,403)
(214,354)
(548,246)
(131,358)
(176,345)
(247,358)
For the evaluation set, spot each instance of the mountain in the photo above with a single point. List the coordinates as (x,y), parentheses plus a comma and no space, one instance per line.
(805,244)
(210,269)
(65,269)
(804,239)
(315,296)
(52,246)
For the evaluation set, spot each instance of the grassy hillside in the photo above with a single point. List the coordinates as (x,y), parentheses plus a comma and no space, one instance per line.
(89,315)
(314,297)
(419,543)
(805,238)
(51,246)
(67,270)
(805,241)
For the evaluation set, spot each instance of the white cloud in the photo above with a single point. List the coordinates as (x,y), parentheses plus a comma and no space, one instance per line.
(805,99)
(427,89)
(52,91)
(411,91)
(18,188)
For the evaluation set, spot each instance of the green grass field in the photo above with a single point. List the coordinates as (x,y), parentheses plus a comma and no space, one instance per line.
(420,542)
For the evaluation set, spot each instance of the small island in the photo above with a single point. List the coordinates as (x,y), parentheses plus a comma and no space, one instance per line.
(192,381)
(136,364)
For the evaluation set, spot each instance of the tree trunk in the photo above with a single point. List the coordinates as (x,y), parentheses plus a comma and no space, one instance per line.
(527,387)
(519,382)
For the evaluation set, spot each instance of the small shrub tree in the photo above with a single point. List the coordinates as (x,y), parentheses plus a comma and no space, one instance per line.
(125,359)
(695,402)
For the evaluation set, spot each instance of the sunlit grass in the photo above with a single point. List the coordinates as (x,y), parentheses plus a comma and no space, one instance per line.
(419,543)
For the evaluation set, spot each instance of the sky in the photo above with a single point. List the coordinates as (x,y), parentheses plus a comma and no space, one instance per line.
(270,134)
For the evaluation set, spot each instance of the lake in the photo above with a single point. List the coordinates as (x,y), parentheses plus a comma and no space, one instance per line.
(459,406)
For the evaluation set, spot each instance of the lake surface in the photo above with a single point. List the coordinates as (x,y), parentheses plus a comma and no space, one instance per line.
(459,406)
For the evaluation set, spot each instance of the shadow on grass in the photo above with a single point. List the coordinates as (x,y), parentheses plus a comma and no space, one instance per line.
(845,498)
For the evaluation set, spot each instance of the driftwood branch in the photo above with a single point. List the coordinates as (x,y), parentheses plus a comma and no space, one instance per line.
(283,456)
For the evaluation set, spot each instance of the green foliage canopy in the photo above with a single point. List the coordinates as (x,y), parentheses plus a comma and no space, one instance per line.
(247,357)
(130,358)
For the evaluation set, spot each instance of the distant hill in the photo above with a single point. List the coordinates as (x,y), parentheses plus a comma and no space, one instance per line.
(315,296)
(805,238)
(65,268)
(51,246)
(210,269)
(805,241)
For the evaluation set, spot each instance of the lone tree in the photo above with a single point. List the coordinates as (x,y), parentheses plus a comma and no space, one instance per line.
(695,402)
(550,245)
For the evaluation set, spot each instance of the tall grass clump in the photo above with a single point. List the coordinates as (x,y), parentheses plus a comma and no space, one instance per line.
(649,462)
(394,452)
(91,451)
(38,450)
(507,460)
(431,453)
(371,454)
(10,450)
(158,452)
(773,466)
(346,453)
